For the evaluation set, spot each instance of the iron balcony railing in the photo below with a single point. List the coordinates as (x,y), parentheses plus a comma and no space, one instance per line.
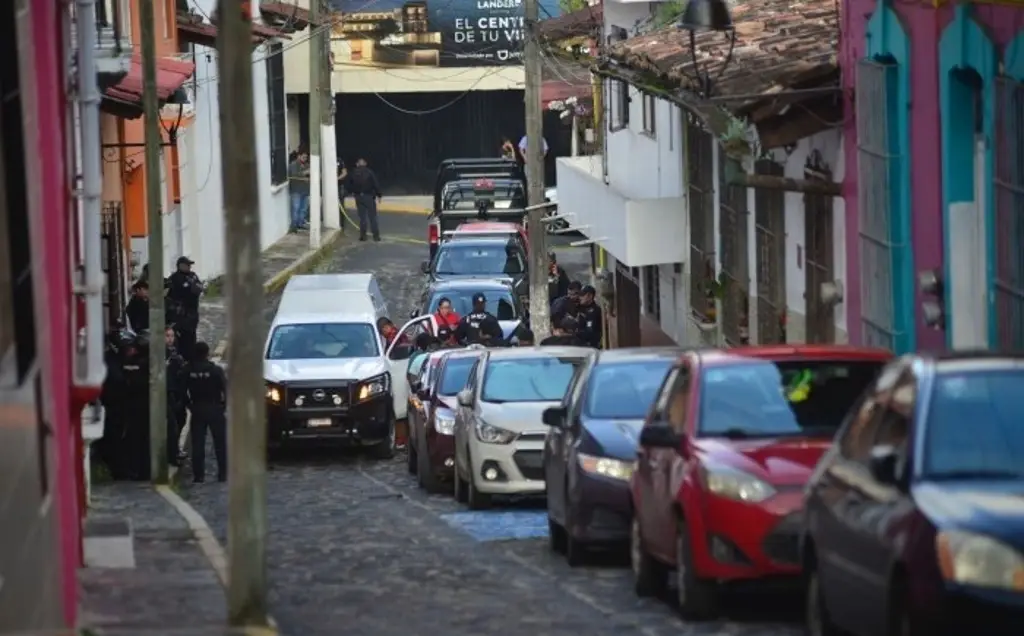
(112,26)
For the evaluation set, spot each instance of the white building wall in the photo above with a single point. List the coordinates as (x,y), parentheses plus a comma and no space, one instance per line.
(202,190)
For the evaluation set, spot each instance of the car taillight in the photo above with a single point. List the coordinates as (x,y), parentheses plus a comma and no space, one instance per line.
(433,232)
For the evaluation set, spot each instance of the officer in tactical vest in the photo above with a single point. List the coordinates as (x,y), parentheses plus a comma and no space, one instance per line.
(479,326)
(176,375)
(207,389)
(133,454)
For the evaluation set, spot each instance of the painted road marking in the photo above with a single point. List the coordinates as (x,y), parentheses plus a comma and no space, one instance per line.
(500,526)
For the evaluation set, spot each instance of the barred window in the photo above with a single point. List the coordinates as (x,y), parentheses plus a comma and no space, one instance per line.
(652,292)
(278,114)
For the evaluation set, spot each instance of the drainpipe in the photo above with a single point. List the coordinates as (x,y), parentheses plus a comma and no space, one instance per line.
(90,370)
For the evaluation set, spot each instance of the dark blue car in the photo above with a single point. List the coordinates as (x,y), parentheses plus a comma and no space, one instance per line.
(914,521)
(590,450)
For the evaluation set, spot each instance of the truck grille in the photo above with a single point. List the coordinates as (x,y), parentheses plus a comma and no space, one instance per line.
(530,464)
(782,544)
(316,397)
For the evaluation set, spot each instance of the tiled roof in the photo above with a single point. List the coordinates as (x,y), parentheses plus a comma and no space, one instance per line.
(582,22)
(565,78)
(171,74)
(286,16)
(779,44)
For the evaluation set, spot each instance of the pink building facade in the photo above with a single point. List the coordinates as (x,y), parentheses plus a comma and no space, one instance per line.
(935,171)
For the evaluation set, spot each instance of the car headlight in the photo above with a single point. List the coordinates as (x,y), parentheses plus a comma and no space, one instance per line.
(736,484)
(373,387)
(974,559)
(274,394)
(606,466)
(493,435)
(444,423)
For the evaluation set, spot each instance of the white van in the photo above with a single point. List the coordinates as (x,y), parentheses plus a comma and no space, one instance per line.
(329,374)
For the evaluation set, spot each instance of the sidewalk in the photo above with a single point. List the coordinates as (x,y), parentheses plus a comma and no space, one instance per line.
(145,568)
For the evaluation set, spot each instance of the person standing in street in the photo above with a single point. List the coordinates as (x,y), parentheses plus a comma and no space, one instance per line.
(183,291)
(363,185)
(137,309)
(207,388)
(558,280)
(567,305)
(591,329)
(447,320)
(342,178)
(298,191)
(176,375)
(564,334)
(480,326)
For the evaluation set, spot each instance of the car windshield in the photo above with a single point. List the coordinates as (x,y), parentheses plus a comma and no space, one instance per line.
(455,375)
(624,390)
(769,398)
(499,303)
(458,258)
(528,379)
(323,341)
(976,425)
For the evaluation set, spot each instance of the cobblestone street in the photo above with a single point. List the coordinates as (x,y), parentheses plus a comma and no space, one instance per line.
(356,548)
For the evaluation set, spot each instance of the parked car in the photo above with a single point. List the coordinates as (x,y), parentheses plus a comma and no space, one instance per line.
(431,432)
(482,257)
(503,229)
(423,368)
(502,302)
(724,456)
(499,434)
(590,450)
(915,519)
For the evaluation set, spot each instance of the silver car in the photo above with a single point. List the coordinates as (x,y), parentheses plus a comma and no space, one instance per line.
(499,433)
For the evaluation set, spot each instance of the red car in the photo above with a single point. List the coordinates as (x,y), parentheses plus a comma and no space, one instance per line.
(493,228)
(723,458)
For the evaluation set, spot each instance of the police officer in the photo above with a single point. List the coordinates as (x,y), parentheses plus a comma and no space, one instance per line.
(207,388)
(479,326)
(589,317)
(183,291)
(133,451)
(111,447)
(176,409)
(564,334)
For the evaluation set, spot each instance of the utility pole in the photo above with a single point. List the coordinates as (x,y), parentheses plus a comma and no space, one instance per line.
(315,122)
(158,465)
(328,138)
(247,423)
(540,320)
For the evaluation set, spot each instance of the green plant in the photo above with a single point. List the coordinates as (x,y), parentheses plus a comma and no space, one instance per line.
(668,12)
(717,288)
(568,6)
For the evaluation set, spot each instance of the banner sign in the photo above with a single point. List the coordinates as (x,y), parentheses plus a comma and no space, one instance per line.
(434,33)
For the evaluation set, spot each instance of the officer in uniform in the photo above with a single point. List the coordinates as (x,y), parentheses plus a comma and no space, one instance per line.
(207,389)
(133,452)
(176,410)
(479,326)
(590,330)
(183,291)
(112,397)
(564,334)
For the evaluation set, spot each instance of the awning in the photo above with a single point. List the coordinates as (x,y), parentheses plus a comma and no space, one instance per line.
(261,33)
(125,98)
(560,90)
(196,31)
(284,16)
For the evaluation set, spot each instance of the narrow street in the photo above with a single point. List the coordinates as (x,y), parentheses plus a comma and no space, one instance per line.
(356,548)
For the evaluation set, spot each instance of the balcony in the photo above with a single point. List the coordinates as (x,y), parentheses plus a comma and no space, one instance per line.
(113,42)
(637,232)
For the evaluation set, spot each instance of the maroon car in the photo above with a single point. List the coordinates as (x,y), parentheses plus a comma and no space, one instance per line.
(431,441)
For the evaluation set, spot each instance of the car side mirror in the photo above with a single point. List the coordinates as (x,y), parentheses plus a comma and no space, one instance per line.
(465,398)
(401,352)
(660,436)
(425,267)
(554,416)
(882,464)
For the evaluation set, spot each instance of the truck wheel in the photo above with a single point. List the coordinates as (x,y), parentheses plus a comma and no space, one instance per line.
(386,448)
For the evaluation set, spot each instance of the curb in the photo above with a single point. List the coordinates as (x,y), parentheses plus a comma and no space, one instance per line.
(304,264)
(403,209)
(210,547)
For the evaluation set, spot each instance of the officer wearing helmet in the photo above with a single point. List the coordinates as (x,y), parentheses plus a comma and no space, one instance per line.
(479,326)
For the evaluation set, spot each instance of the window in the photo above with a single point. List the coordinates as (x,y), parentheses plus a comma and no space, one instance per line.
(679,402)
(456,375)
(323,341)
(652,292)
(529,379)
(618,93)
(278,116)
(649,105)
(624,390)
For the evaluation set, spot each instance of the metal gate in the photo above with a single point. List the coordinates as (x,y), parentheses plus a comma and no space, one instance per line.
(1009,214)
(733,231)
(770,229)
(876,156)
(818,254)
(113,260)
(701,180)
(627,306)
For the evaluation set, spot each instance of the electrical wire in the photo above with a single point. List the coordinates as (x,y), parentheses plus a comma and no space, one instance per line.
(449,104)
